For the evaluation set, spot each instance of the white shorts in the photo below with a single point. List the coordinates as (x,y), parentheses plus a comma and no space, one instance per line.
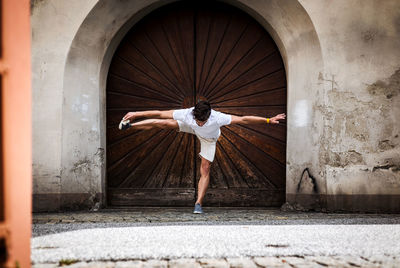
(207,146)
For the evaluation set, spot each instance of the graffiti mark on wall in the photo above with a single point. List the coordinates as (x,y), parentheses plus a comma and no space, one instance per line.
(307,183)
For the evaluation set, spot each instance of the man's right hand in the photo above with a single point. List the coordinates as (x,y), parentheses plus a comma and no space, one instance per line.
(131,116)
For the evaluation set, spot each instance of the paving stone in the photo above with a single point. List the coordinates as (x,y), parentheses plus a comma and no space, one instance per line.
(384,261)
(99,264)
(91,265)
(128,264)
(183,263)
(241,263)
(293,260)
(45,265)
(270,262)
(324,260)
(353,261)
(156,263)
(80,264)
(67,221)
(215,263)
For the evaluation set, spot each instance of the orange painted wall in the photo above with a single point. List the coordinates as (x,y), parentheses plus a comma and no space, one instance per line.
(16,129)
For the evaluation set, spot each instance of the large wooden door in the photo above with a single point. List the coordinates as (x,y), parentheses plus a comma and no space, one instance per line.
(175,56)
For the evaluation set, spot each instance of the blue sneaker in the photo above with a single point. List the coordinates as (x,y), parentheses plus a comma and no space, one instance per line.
(197,209)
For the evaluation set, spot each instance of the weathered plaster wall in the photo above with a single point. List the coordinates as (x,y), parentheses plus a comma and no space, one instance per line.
(54,25)
(343,97)
(359,146)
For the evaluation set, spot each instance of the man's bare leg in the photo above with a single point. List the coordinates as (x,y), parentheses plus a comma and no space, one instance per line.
(204,180)
(156,123)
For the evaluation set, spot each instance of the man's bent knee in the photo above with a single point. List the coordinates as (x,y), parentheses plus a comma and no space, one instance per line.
(205,165)
(172,124)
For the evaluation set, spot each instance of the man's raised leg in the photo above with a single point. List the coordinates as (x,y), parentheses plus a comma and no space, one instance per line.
(156,123)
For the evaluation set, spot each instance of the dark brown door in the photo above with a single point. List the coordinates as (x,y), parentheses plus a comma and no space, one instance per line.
(175,56)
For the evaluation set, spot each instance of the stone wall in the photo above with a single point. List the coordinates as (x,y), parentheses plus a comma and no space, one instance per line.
(343,72)
(359,145)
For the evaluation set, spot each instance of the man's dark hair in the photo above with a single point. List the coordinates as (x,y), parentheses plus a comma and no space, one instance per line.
(202,111)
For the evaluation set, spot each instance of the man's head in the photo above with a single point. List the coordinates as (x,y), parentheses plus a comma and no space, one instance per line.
(201,112)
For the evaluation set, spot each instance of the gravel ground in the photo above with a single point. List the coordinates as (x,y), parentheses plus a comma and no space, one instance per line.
(221,238)
(199,241)
(46,229)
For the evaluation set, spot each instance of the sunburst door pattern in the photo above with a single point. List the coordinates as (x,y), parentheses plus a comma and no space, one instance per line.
(172,58)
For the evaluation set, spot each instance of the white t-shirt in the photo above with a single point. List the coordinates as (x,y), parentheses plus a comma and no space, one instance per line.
(211,129)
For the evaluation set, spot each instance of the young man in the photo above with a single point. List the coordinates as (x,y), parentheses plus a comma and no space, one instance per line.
(201,121)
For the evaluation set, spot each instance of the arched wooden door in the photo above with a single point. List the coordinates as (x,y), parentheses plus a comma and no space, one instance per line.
(175,56)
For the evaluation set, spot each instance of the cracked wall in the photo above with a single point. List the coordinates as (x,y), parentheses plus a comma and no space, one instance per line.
(359,147)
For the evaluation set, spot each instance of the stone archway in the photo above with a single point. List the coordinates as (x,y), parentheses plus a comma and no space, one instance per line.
(83,113)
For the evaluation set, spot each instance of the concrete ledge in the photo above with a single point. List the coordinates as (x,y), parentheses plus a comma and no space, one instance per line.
(348,203)
(52,202)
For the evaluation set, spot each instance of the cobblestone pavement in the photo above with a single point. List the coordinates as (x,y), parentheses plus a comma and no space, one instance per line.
(255,262)
(45,224)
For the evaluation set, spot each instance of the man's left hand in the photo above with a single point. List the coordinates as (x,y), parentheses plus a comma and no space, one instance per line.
(276,118)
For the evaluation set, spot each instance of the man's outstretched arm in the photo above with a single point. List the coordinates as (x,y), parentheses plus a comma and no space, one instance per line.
(248,119)
(149,114)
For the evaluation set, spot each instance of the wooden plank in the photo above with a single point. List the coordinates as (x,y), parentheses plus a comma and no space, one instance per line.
(231,175)
(176,173)
(118,172)
(248,172)
(217,179)
(185,33)
(244,197)
(161,171)
(158,38)
(237,26)
(243,47)
(119,149)
(149,163)
(124,100)
(261,60)
(266,144)
(274,97)
(151,197)
(173,36)
(267,82)
(130,53)
(130,72)
(121,85)
(210,28)
(275,131)
(274,170)
(141,39)
(188,170)
(114,134)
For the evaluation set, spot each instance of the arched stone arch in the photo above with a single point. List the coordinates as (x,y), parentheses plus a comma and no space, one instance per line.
(88,60)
